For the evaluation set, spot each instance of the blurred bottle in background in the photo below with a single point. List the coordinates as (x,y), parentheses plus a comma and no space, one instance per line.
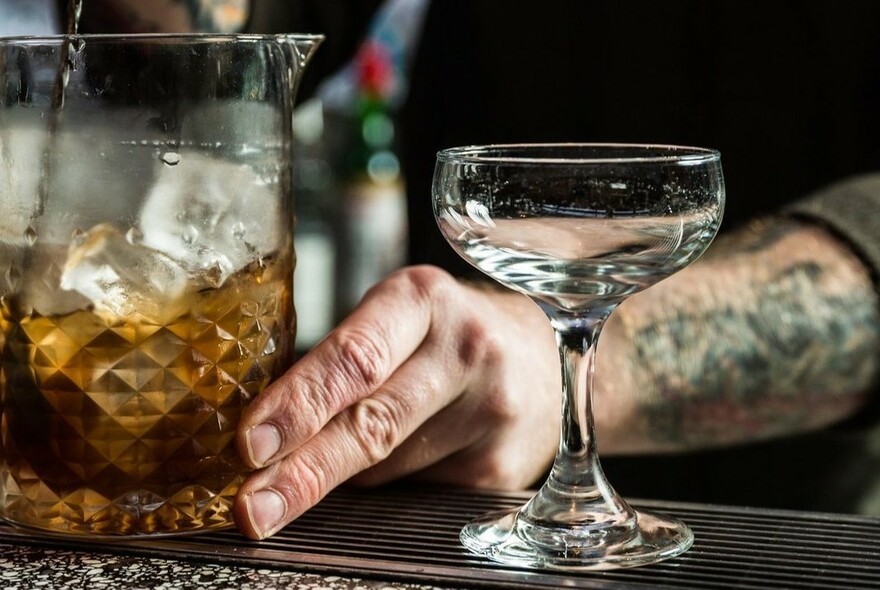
(315,237)
(350,196)
(372,213)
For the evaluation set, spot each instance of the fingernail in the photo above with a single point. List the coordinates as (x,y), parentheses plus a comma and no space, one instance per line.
(265,509)
(263,442)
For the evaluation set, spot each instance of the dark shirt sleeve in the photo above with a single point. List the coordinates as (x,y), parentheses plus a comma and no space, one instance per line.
(851,209)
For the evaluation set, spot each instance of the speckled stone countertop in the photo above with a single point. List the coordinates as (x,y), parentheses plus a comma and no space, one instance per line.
(24,567)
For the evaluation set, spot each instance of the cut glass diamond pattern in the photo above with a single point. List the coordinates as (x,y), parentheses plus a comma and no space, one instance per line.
(131,423)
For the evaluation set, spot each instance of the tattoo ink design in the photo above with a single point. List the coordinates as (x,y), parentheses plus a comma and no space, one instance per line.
(794,347)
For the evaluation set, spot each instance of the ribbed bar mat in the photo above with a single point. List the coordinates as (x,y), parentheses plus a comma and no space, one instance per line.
(412,535)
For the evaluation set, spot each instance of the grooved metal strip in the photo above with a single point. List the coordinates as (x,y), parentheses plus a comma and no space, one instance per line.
(412,535)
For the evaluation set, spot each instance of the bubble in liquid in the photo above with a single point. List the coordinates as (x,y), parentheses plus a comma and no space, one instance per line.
(30,234)
(13,279)
(134,235)
(170,158)
(214,275)
(190,235)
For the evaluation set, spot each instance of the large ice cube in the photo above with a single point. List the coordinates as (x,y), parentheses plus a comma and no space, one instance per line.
(212,215)
(40,274)
(123,278)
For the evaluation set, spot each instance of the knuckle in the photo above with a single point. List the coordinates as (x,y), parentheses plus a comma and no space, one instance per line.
(423,283)
(498,408)
(476,343)
(303,420)
(306,482)
(376,427)
(362,360)
(426,276)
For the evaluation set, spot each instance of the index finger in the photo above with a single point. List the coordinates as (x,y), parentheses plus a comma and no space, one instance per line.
(347,366)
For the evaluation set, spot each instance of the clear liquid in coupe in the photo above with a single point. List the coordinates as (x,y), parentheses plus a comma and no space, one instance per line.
(570,262)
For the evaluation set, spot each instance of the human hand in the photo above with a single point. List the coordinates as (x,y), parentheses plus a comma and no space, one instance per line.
(427,377)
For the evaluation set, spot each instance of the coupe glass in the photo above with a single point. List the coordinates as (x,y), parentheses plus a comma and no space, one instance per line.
(578,228)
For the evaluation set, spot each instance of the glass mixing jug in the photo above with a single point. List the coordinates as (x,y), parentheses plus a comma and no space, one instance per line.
(146,264)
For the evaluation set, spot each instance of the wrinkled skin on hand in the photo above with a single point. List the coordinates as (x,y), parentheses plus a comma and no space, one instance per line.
(428,378)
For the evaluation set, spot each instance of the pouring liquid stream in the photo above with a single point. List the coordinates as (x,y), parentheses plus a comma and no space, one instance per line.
(69,48)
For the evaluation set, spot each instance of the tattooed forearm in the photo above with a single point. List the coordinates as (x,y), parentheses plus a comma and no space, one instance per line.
(778,331)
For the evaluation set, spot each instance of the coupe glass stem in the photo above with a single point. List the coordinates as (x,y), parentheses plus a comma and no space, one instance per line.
(576,496)
(577,338)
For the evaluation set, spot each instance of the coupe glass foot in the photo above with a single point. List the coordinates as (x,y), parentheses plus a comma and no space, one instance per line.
(647,538)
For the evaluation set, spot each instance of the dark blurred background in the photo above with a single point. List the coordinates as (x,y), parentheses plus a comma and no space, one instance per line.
(788,91)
